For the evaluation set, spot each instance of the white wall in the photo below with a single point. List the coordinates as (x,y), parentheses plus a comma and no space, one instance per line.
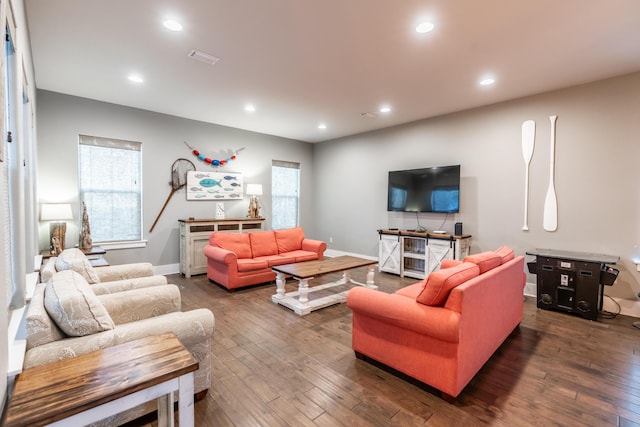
(597,176)
(61,118)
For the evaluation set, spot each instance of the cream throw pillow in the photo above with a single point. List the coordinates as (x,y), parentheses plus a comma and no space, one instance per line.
(74,259)
(74,307)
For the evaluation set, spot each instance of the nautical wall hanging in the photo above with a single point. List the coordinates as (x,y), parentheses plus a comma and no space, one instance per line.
(214,186)
(528,141)
(211,161)
(179,170)
(550,214)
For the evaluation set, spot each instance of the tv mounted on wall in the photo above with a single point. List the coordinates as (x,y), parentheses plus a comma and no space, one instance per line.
(435,189)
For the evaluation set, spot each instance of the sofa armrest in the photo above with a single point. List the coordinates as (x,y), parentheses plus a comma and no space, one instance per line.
(317,246)
(405,313)
(191,327)
(137,304)
(48,269)
(103,288)
(124,271)
(220,255)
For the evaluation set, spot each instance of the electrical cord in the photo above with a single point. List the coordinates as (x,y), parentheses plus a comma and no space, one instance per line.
(445,220)
(609,315)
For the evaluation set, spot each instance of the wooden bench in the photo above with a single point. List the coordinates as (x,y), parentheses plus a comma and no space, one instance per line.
(93,386)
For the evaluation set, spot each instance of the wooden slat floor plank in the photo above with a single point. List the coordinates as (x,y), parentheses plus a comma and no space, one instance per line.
(271,367)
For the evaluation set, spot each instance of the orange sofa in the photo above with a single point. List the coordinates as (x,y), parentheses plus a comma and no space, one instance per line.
(236,260)
(443,329)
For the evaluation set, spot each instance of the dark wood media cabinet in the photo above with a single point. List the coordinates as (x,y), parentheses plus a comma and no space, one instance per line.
(572,282)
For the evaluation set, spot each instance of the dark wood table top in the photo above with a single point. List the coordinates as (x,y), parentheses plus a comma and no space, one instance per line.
(575,256)
(308,269)
(51,392)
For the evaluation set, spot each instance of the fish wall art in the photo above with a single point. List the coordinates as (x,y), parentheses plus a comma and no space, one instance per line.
(219,186)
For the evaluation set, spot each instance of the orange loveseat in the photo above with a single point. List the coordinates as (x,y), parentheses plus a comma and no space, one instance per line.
(443,329)
(235,260)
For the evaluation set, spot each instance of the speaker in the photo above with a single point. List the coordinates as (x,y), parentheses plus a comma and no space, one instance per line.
(458,229)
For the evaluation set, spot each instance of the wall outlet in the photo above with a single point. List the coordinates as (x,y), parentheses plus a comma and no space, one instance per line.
(330,239)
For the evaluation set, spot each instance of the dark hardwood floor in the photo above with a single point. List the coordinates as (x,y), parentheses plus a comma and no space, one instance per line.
(272,367)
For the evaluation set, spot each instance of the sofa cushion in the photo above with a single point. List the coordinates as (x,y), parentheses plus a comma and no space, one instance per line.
(263,243)
(74,259)
(485,260)
(438,284)
(273,260)
(506,253)
(237,243)
(252,264)
(289,240)
(74,307)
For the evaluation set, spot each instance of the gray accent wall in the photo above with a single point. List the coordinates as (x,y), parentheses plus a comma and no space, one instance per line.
(596,176)
(344,181)
(61,118)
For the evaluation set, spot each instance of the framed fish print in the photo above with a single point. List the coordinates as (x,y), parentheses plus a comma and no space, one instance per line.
(214,185)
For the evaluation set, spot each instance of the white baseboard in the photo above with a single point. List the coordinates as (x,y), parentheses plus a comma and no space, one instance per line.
(332,253)
(163,270)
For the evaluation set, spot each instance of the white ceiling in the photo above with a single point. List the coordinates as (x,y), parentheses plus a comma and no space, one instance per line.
(303,62)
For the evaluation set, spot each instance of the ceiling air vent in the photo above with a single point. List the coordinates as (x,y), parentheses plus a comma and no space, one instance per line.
(201,56)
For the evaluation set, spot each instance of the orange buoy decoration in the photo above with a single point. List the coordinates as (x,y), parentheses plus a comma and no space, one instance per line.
(209,160)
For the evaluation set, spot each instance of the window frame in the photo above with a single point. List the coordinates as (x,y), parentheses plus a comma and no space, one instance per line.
(117,144)
(275,196)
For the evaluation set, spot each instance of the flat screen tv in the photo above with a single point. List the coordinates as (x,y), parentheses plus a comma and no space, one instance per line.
(435,189)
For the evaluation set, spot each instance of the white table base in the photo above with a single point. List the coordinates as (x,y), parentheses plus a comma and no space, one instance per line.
(298,301)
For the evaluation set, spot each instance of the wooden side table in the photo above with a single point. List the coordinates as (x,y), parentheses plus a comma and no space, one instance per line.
(93,386)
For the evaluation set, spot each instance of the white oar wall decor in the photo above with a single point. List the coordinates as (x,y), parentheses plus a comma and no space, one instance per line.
(550,219)
(528,138)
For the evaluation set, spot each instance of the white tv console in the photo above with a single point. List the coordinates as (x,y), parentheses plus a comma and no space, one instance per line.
(416,254)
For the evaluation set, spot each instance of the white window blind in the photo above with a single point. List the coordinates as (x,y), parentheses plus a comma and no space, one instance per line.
(111,187)
(285,194)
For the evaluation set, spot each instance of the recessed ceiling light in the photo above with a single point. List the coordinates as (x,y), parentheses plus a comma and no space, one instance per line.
(385,109)
(487,81)
(322,126)
(250,108)
(424,27)
(172,25)
(136,78)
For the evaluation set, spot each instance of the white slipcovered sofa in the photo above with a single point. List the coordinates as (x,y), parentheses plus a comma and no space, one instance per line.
(66,318)
(103,280)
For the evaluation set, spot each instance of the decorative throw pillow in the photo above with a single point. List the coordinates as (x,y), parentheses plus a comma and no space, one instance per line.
(289,240)
(74,259)
(237,243)
(74,307)
(485,260)
(438,284)
(506,253)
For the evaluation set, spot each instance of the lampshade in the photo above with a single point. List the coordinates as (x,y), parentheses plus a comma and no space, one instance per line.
(254,189)
(56,212)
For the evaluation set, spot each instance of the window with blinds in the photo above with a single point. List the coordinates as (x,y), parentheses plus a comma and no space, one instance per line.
(285,194)
(110,173)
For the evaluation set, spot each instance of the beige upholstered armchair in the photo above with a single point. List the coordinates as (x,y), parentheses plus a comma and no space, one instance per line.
(104,280)
(66,318)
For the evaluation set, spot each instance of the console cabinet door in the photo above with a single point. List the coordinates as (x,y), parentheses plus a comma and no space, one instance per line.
(389,254)
(437,251)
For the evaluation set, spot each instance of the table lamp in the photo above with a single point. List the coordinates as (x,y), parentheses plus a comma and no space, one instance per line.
(254,190)
(58,212)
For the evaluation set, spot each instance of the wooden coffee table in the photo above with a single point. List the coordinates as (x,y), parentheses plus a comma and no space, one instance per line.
(298,301)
